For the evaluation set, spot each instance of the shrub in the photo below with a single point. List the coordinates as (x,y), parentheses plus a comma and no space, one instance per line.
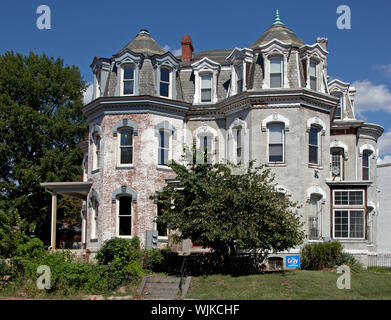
(351,262)
(11,235)
(122,249)
(317,256)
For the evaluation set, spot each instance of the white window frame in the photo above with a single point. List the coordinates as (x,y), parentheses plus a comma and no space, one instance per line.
(349,210)
(283,142)
(204,66)
(370,154)
(123,80)
(169,148)
(318,146)
(282,65)
(156,228)
(349,205)
(312,61)
(94,218)
(117,203)
(119,133)
(96,152)
(170,80)
(211,86)
(339,95)
(341,161)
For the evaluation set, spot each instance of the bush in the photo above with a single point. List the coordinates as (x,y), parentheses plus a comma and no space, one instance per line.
(11,235)
(122,249)
(350,261)
(317,256)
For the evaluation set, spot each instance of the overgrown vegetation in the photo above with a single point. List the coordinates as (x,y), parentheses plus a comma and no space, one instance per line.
(317,256)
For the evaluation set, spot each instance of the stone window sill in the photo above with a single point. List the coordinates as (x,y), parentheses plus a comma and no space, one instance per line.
(163,168)
(95,171)
(93,240)
(276,164)
(124,167)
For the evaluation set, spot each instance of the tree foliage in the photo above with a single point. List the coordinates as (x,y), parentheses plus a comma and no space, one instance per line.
(226,211)
(41,124)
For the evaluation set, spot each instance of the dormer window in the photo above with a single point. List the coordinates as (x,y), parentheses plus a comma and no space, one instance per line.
(165,77)
(239,78)
(206,87)
(338,111)
(313,75)
(276,67)
(128,79)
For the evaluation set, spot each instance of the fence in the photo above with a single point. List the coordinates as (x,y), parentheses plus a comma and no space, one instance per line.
(379,260)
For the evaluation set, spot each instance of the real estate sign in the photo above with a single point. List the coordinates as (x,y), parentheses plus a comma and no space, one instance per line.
(292,261)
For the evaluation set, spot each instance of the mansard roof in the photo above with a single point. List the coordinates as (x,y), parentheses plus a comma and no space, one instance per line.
(145,44)
(280,32)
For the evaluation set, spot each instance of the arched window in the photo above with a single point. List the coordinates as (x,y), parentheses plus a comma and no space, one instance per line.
(276,72)
(164,147)
(314,216)
(313,145)
(128,79)
(313,75)
(276,142)
(124,212)
(126,146)
(94,218)
(96,151)
(366,164)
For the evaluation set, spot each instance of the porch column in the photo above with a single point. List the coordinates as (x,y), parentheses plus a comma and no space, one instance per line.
(54,221)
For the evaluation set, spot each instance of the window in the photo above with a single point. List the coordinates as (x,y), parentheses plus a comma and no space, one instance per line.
(165,75)
(161,227)
(349,198)
(314,215)
(276,142)
(365,164)
(128,79)
(336,164)
(349,222)
(206,148)
(338,112)
(239,81)
(125,216)
(313,145)
(126,146)
(276,67)
(313,78)
(206,88)
(94,218)
(96,152)
(164,147)
(239,151)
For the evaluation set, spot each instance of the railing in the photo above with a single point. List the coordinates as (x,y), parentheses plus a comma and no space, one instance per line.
(183,272)
(379,260)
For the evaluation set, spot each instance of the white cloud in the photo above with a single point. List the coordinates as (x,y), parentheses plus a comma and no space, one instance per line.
(88,94)
(384,143)
(371,97)
(175,52)
(384,68)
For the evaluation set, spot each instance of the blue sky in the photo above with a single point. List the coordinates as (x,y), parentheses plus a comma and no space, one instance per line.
(86,28)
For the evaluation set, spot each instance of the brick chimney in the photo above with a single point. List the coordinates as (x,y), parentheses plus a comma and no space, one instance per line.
(187,48)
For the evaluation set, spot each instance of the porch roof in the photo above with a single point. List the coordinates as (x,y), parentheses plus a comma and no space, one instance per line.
(77,189)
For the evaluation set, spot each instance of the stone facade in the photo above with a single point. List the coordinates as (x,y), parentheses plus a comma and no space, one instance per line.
(320,152)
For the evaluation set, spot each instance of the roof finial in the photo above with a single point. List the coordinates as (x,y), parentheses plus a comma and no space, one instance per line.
(277,20)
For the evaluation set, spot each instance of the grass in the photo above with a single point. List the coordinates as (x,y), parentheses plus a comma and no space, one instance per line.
(293,285)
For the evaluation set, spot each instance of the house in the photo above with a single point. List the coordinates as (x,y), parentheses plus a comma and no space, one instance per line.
(271,101)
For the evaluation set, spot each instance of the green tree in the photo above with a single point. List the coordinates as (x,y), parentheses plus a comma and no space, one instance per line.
(226,211)
(41,124)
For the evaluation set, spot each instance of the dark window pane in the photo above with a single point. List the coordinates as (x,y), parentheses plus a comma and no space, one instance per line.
(163,157)
(161,227)
(128,72)
(165,74)
(126,137)
(275,152)
(313,154)
(365,174)
(125,206)
(125,226)
(128,87)
(356,224)
(164,89)
(313,136)
(206,95)
(313,83)
(240,85)
(126,155)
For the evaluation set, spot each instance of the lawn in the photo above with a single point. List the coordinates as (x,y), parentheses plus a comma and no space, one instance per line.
(292,285)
